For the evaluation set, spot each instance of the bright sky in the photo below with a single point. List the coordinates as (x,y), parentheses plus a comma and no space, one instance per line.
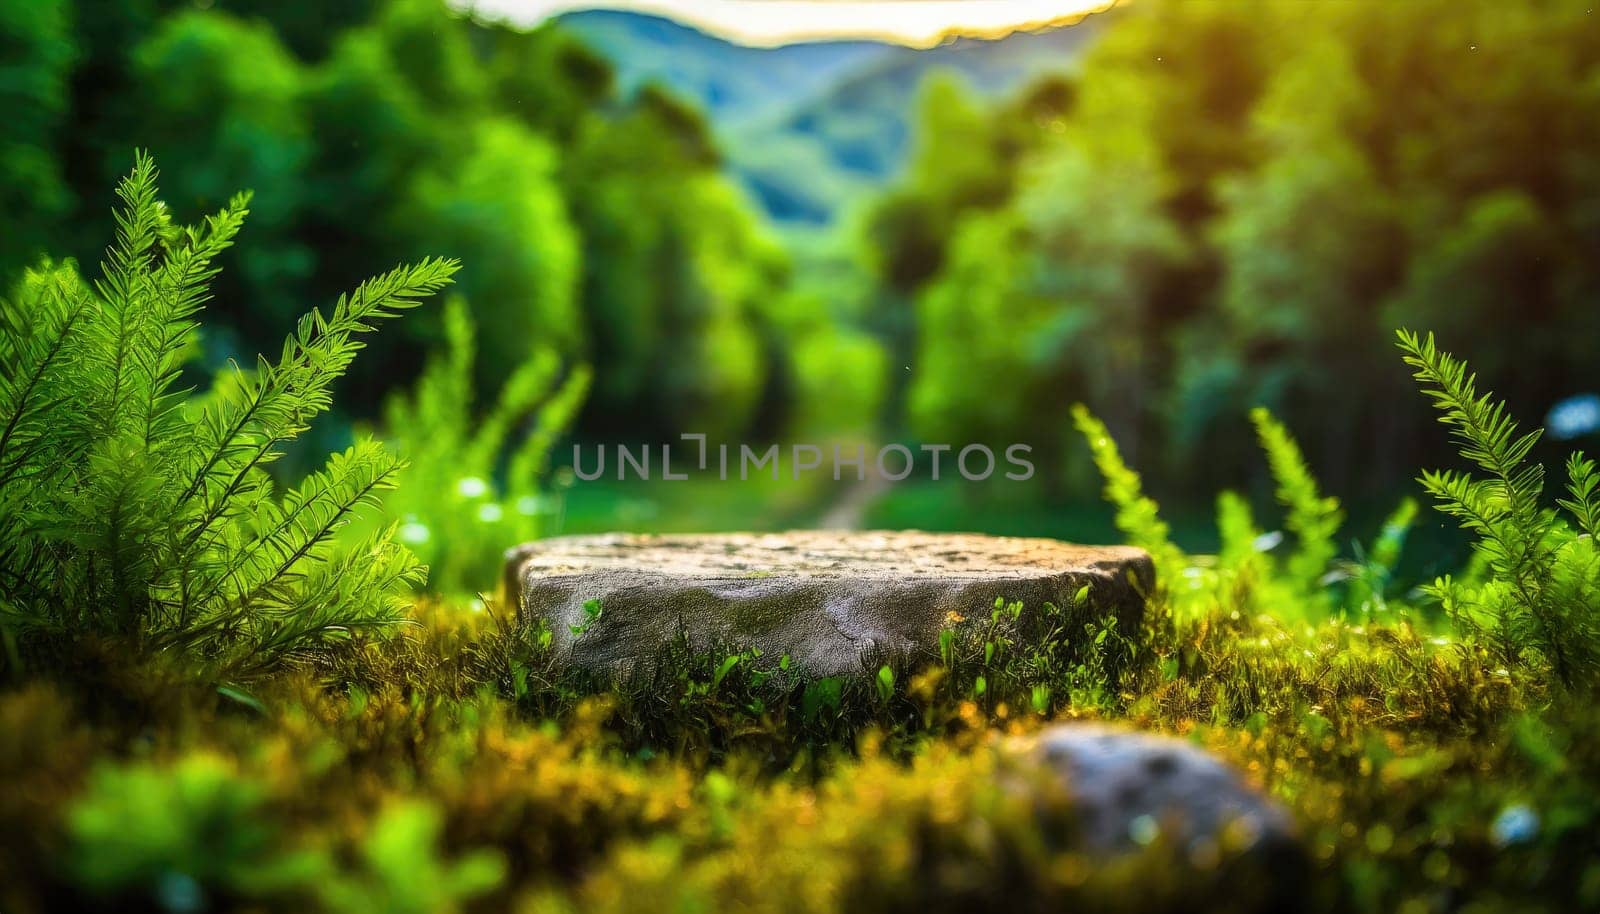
(769,22)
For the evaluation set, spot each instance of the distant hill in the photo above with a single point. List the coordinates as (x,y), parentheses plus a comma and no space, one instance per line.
(809,127)
(729,81)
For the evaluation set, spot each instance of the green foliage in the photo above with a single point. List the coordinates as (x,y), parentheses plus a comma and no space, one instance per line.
(1138,515)
(1243,567)
(403,872)
(1583,489)
(1372,575)
(199,834)
(175,835)
(678,281)
(37,43)
(130,513)
(1543,586)
(581,800)
(221,98)
(1313,518)
(1229,207)
(450,509)
(1541,581)
(1050,292)
(501,204)
(591,218)
(1244,575)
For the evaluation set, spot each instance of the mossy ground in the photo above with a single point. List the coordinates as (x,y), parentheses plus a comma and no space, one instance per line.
(449,770)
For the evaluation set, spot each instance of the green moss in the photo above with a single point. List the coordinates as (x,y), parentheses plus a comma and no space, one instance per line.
(1413,766)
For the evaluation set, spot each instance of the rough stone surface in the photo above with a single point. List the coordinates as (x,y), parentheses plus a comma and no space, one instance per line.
(837,603)
(1126,786)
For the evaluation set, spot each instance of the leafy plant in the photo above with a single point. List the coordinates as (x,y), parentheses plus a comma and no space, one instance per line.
(181,834)
(1373,571)
(1542,590)
(1313,518)
(1138,515)
(129,511)
(451,511)
(1242,566)
(403,870)
(1245,575)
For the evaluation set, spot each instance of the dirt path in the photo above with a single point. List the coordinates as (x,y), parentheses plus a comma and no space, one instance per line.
(850,510)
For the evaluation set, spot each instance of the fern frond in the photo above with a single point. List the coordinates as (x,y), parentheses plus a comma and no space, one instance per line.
(278,402)
(1313,518)
(1486,434)
(1475,503)
(531,461)
(39,328)
(1236,526)
(179,291)
(1138,516)
(124,292)
(307,519)
(522,393)
(1518,537)
(354,590)
(1583,490)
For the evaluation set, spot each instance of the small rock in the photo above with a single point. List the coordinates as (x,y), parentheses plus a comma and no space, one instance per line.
(836,603)
(1127,788)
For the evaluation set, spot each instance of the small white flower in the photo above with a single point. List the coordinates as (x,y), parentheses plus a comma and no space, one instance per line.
(472,487)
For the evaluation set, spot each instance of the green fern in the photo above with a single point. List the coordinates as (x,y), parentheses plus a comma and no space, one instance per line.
(1138,515)
(451,508)
(1236,527)
(1372,574)
(1543,586)
(132,511)
(1313,518)
(1583,487)
(1242,570)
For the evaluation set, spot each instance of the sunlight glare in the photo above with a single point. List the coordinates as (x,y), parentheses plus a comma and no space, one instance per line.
(918,23)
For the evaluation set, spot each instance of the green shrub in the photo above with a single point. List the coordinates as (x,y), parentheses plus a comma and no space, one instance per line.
(129,512)
(448,506)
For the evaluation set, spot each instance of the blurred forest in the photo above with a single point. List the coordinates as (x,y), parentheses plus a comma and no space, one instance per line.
(1205,207)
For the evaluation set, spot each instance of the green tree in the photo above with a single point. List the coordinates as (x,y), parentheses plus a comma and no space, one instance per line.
(39,49)
(221,104)
(502,209)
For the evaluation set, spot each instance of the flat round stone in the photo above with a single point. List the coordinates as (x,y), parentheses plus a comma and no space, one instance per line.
(836,603)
